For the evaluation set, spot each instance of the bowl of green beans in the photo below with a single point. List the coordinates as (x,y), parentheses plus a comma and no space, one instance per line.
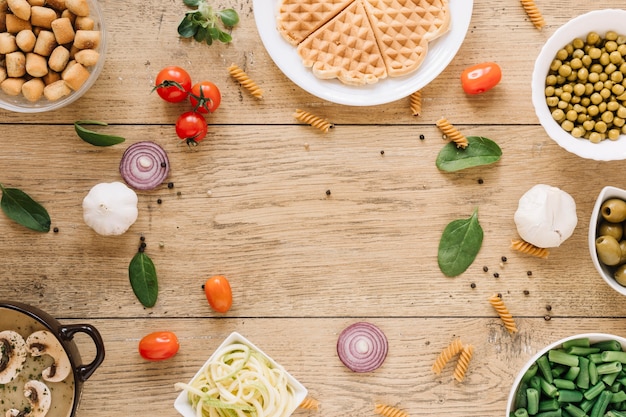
(579,85)
(580,376)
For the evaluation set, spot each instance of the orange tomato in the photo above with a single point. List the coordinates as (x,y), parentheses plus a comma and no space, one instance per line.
(158,346)
(218,293)
(481,77)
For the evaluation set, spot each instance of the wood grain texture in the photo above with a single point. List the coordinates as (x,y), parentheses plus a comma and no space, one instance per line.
(314,230)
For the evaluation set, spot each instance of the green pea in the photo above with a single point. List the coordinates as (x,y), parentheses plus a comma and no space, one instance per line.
(611,35)
(621,112)
(595,53)
(593,38)
(577,132)
(613,134)
(593,110)
(571,115)
(552,101)
(578,43)
(593,77)
(616,57)
(562,54)
(551,80)
(558,115)
(618,122)
(600,127)
(596,98)
(554,66)
(567,125)
(595,137)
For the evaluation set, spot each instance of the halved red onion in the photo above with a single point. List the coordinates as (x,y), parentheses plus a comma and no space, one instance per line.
(362,347)
(144,165)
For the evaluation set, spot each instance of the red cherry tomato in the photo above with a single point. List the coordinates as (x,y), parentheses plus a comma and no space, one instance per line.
(205,97)
(158,346)
(173,84)
(218,293)
(481,77)
(192,127)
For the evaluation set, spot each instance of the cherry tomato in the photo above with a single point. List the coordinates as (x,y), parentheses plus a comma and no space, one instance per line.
(481,77)
(192,127)
(173,84)
(158,346)
(205,97)
(218,293)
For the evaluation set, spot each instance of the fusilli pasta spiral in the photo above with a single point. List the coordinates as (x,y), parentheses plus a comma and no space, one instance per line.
(452,133)
(389,411)
(533,12)
(506,317)
(310,403)
(415,102)
(444,357)
(463,363)
(315,121)
(243,79)
(529,249)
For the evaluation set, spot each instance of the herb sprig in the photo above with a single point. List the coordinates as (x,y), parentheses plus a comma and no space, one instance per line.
(202,23)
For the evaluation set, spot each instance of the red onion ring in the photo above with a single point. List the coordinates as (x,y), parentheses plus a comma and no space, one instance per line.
(144,165)
(362,347)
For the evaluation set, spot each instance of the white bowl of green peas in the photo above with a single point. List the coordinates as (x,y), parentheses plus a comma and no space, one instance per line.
(580,375)
(578,96)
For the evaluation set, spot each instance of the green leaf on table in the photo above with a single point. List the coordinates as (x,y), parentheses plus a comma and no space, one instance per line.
(229,17)
(143,279)
(95,138)
(460,242)
(21,208)
(479,151)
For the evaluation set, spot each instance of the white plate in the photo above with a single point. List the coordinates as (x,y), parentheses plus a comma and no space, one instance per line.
(440,53)
(183,406)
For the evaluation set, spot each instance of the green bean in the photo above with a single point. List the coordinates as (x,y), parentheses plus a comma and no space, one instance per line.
(563,358)
(556,413)
(532,398)
(595,391)
(544,367)
(564,383)
(612,356)
(609,368)
(582,351)
(601,404)
(618,397)
(572,373)
(593,373)
(609,379)
(520,412)
(530,372)
(549,405)
(586,405)
(615,413)
(580,342)
(575,411)
(570,396)
(595,357)
(582,381)
(547,388)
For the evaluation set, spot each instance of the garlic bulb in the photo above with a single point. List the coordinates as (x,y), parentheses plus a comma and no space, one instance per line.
(110,208)
(546,216)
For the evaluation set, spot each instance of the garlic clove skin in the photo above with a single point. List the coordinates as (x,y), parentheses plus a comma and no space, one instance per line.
(110,208)
(546,216)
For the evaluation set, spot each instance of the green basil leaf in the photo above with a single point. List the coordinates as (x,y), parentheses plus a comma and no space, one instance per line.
(21,208)
(187,28)
(225,37)
(460,242)
(229,17)
(479,151)
(201,34)
(143,279)
(191,3)
(95,138)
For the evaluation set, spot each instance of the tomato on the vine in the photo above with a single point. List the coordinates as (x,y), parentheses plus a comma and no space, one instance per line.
(218,293)
(158,346)
(205,97)
(481,77)
(173,84)
(192,127)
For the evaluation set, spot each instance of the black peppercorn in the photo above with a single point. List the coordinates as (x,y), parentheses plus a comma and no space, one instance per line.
(529,273)
(159,201)
(549,307)
(142,238)
(504,259)
(382,152)
(526,292)
(496,275)
(480,181)
(327,192)
(170,185)
(55,230)
(422,137)
(473,285)
(485,268)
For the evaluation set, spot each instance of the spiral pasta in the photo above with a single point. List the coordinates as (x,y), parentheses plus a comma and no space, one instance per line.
(444,357)
(315,121)
(533,12)
(389,411)
(463,363)
(529,249)
(506,317)
(452,133)
(243,79)
(415,102)
(310,403)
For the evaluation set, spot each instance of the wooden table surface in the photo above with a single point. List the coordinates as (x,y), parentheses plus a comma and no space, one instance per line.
(251,203)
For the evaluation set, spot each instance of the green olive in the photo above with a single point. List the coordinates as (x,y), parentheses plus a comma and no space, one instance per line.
(614,210)
(615,230)
(622,247)
(608,250)
(620,275)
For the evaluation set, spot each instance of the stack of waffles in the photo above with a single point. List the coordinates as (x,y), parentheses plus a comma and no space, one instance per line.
(362,41)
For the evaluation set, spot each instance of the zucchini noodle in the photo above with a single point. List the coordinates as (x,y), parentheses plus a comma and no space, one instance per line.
(240,382)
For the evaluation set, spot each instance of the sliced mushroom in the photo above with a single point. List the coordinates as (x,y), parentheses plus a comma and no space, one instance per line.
(39,397)
(12,355)
(45,343)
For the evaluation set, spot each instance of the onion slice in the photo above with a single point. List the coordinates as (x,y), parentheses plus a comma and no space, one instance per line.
(144,165)
(362,347)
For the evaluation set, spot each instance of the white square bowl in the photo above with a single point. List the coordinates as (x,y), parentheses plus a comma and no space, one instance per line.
(183,406)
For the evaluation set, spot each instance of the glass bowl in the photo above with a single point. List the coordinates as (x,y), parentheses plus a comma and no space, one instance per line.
(22,105)
(600,21)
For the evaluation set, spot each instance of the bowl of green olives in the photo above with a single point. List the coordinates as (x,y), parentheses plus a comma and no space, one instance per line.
(607,237)
(579,85)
